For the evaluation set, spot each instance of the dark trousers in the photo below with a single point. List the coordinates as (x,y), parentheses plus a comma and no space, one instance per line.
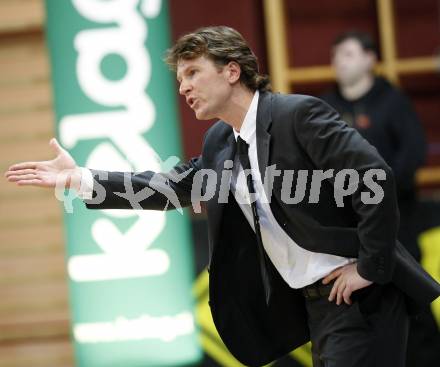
(372,332)
(423,341)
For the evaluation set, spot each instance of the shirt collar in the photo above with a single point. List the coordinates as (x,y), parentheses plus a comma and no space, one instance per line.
(248,126)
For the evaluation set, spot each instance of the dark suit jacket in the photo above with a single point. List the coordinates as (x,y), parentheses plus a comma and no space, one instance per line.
(296,133)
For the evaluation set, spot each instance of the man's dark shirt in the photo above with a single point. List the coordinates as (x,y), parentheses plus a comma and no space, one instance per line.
(387,120)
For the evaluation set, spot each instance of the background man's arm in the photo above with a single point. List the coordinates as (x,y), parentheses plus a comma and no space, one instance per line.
(411,143)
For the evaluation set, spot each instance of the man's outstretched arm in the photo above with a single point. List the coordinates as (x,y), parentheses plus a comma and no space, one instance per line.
(110,190)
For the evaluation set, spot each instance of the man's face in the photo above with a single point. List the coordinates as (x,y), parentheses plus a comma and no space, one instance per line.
(351,62)
(206,87)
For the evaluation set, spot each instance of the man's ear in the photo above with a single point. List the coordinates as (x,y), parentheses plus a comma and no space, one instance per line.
(233,71)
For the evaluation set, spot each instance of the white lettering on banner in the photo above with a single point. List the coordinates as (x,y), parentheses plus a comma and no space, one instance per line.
(118,265)
(151,8)
(166,328)
(134,115)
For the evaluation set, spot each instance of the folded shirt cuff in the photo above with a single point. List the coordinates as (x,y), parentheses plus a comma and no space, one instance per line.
(85,191)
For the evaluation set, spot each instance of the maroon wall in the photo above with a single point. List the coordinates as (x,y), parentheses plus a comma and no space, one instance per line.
(313,25)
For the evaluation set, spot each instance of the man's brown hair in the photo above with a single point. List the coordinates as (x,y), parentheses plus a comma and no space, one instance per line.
(222,45)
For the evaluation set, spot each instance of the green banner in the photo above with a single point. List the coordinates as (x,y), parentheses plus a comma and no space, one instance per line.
(130,272)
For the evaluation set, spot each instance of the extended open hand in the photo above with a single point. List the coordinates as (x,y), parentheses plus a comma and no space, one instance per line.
(46,173)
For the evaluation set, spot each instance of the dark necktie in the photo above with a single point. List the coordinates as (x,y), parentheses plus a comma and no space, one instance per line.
(242,151)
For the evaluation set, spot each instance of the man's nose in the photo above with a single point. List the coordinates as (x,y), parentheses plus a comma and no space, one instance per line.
(184,88)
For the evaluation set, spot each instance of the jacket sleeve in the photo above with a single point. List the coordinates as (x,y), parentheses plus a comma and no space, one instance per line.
(411,143)
(145,190)
(332,144)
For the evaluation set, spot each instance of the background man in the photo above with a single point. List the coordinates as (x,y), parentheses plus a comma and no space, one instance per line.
(384,116)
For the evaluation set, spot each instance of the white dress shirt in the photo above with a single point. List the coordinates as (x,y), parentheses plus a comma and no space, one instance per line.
(297,266)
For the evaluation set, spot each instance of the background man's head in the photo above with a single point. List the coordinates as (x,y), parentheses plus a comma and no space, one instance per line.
(354,55)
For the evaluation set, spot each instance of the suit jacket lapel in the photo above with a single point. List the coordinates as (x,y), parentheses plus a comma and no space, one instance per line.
(215,209)
(227,151)
(264,120)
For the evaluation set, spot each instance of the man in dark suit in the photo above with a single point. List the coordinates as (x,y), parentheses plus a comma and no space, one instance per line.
(284,268)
